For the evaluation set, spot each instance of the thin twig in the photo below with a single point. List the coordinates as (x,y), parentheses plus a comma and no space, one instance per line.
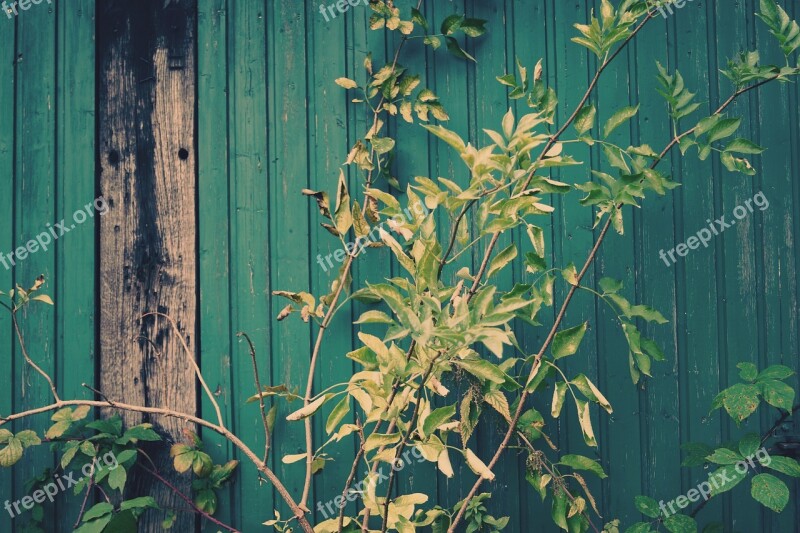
(259,392)
(188,500)
(85,499)
(554,476)
(103,396)
(411,428)
(27,357)
(191,358)
(353,471)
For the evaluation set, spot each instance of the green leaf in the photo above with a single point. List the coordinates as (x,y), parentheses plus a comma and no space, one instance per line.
(95,526)
(724,479)
(360,225)
(308,410)
(559,395)
(28,438)
(775,372)
(346,83)
(142,432)
(740,400)
(343,216)
(432,41)
(585,421)
(12,453)
(478,466)
(618,118)
(483,370)
(144,502)
(647,506)
(502,259)
(473,27)
(743,146)
(749,444)
(117,479)
(679,523)
(337,415)
(584,120)
(206,501)
(592,393)
(724,128)
(68,456)
(639,527)
(455,49)
(437,418)
(724,456)
(101,509)
(784,465)
(418,18)
(450,137)
(778,394)
(770,492)
(578,462)
(377,440)
(499,403)
(382,145)
(566,342)
(610,286)
(747,371)
(531,423)
(451,24)
(558,511)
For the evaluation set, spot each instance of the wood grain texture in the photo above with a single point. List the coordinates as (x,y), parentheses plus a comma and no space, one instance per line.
(146,77)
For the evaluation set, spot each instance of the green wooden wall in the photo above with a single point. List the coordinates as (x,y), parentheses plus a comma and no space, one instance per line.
(270,121)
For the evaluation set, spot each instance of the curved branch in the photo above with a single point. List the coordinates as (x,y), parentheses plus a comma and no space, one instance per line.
(222,430)
(191,357)
(567,300)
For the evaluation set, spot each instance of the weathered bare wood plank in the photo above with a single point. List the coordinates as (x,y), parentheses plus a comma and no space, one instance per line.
(148,239)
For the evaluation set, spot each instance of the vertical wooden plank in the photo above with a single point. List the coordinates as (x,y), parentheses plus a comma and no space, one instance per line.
(250,246)
(75,171)
(35,196)
(147,173)
(7,187)
(213,190)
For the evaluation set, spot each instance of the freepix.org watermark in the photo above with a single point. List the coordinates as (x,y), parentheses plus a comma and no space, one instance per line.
(715,481)
(342,6)
(60,484)
(9,8)
(667,6)
(331,507)
(53,233)
(373,236)
(714,228)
